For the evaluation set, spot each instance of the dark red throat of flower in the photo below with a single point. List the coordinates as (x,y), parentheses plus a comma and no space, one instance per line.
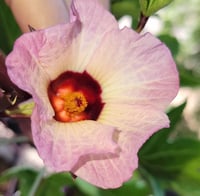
(75,96)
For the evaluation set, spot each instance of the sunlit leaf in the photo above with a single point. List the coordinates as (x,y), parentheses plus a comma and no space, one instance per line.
(188,182)
(192,169)
(24,108)
(149,7)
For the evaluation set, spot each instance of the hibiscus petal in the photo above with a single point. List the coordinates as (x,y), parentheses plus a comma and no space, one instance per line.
(135,118)
(61,145)
(30,60)
(111,171)
(95,23)
(136,69)
(138,124)
(70,46)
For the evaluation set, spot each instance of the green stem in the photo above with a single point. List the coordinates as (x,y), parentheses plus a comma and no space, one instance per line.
(36,184)
(153,182)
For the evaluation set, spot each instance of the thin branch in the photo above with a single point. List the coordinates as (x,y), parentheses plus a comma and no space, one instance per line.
(142,22)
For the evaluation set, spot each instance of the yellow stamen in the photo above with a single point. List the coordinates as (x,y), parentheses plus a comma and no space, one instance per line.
(75,102)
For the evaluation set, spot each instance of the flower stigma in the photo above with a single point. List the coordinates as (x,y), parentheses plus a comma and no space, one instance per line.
(75,102)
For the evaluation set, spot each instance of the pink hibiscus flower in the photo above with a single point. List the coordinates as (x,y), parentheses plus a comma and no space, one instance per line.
(99,92)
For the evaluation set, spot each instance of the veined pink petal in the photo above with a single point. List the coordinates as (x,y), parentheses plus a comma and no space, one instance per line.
(105,3)
(70,46)
(61,145)
(145,72)
(135,118)
(111,171)
(137,123)
(30,56)
(95,23)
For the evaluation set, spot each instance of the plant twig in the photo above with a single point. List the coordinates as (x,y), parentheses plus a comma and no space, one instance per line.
(142,22)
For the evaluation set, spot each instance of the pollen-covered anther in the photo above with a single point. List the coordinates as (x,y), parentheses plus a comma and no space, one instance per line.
(74,102)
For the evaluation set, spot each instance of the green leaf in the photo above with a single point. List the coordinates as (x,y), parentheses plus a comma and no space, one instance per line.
(135,186)
(8,28)
(192,170)
(188,78)
(87,188)
(160,138)
(170,159)
(149,7)
(166,159)
(57,184)
(126,7)
(188,182)
(186,187)
(171,42)
(37,182)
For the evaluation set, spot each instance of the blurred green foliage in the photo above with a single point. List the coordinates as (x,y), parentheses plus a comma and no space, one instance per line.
(25,177)
(121,8)
(9,29)
(149,7)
